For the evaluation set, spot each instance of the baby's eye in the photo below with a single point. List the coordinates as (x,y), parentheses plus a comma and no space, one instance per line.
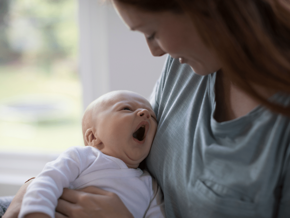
(126,108)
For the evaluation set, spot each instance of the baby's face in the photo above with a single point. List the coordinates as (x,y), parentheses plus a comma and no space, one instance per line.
(126,125)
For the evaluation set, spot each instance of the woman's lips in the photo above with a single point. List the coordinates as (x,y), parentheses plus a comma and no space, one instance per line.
(146,126)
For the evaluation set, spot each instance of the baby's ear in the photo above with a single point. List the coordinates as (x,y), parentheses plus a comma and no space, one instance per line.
(91,139)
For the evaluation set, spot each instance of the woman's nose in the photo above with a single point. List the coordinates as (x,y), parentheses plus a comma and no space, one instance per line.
(155,49)
(144,113)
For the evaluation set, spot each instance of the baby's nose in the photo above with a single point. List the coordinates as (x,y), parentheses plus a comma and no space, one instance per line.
(144,112)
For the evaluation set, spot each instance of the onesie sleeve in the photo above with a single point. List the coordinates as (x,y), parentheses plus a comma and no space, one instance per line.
(43,193)
(156,207)
(284,206)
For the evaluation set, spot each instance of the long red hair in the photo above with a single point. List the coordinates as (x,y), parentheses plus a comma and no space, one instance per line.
(251,38)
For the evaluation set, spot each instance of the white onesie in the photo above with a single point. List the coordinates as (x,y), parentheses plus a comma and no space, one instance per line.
(79,167)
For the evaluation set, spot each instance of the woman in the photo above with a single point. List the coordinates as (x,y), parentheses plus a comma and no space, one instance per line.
(222,148)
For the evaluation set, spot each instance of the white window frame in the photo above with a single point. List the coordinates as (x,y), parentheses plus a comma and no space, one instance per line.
(94,69)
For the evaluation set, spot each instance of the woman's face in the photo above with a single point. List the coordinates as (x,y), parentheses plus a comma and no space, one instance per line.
(171,33)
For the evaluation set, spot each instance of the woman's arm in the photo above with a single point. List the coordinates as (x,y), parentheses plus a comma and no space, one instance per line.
(90,202)
(284,205)
(14,208)
(87,202)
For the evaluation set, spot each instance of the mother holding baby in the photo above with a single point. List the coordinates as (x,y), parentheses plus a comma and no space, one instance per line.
(222,148)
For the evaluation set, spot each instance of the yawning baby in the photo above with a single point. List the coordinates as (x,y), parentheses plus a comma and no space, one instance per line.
(118,130)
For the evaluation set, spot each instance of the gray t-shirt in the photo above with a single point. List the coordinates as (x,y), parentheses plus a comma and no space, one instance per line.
(206,169)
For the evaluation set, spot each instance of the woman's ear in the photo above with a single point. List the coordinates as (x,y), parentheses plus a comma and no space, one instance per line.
(91,139)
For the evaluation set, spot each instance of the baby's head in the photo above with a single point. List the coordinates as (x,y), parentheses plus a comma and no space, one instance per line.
(121,124)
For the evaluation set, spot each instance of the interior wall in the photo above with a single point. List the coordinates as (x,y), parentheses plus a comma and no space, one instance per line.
(131,65)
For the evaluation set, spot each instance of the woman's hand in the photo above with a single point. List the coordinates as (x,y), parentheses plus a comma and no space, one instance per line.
(85,203)
(37,215)
(14,208)
(90,202)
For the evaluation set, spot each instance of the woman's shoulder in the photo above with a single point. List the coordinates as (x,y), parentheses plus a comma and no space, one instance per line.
(176,77)
(179,85)
(173,67)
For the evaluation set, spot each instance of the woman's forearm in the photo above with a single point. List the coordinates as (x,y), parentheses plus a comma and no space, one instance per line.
(14,208)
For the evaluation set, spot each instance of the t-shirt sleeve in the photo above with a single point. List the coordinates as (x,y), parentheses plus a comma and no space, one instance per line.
(156,94)
(42,194)
(156,207)
(284,207)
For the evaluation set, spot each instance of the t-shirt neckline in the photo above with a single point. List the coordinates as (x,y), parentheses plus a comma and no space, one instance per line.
(236,124)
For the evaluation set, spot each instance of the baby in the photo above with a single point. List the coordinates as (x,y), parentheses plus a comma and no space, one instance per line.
(118,130)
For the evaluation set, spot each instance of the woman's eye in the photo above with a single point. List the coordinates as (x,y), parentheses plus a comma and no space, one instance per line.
(149,38)
(126,108)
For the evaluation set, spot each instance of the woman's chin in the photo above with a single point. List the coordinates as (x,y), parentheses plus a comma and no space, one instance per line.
(200,69)
(201,72)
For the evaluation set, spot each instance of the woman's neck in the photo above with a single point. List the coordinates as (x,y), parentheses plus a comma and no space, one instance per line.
(231,102)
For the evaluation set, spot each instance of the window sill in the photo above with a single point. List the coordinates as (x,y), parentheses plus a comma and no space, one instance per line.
(16,168)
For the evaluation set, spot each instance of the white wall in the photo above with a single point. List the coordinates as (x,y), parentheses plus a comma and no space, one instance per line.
(131,64)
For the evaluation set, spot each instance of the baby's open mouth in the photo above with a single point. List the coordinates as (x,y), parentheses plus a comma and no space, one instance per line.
(140,133)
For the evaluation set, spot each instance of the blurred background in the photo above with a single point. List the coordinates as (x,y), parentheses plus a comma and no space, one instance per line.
(55,58)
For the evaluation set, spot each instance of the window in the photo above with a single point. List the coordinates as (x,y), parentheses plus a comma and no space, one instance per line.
(40,94)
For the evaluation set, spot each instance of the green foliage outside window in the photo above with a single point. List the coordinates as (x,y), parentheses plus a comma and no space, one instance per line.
(38,56)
